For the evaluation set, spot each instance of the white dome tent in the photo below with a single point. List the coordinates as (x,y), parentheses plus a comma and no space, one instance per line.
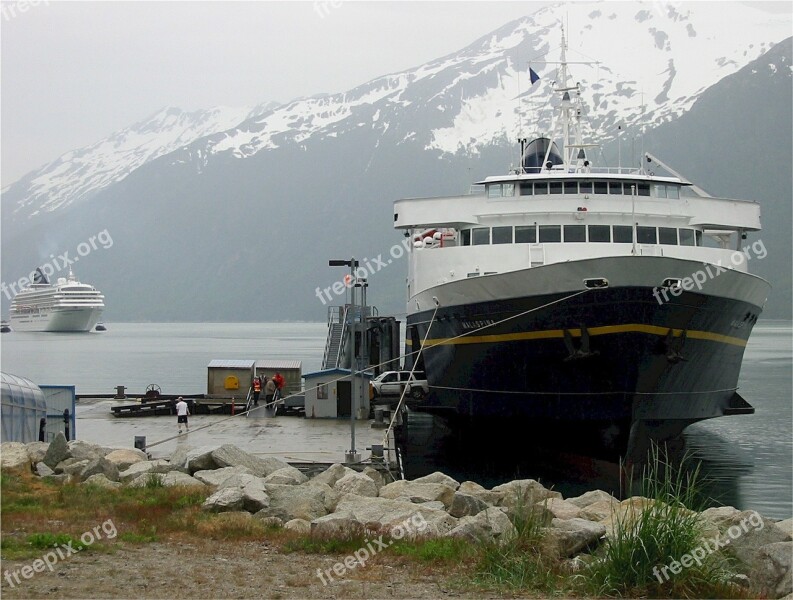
(23,407)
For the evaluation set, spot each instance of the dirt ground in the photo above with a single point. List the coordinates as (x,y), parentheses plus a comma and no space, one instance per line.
(209,569)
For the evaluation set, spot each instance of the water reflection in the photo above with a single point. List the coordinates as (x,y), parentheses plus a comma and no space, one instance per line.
(494,459)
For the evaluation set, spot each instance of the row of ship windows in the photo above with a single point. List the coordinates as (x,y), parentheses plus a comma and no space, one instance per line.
(618,234)
(528,188)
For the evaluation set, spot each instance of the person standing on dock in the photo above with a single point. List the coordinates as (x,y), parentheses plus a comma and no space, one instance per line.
(257,389)
(279,381)
(269,391)
(181,414)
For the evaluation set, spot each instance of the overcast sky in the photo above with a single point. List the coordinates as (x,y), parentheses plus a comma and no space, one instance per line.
(73,72)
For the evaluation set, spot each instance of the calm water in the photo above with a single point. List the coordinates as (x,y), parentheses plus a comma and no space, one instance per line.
(748,458)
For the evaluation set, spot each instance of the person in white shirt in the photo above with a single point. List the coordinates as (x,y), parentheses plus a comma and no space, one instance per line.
(181,414)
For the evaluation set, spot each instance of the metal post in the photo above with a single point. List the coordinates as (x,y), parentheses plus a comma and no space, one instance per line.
(351,456)
(633,218)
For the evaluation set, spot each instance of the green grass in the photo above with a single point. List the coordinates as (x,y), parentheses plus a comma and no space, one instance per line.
(523,562)
(138,538)
(322,545)
(35,544)
(644,541)
(440,550)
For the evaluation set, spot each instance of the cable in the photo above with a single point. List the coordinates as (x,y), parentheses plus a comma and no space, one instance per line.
(410,378)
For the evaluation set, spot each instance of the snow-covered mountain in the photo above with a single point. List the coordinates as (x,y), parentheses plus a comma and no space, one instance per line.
(653,60)
(78,174)
(236,220)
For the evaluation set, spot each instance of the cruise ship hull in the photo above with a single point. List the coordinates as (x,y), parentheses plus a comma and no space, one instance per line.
(602,363)
(57,320)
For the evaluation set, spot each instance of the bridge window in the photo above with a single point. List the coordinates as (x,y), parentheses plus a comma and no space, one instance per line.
(500,190)
(502,235)
(667,236)
(575,233)
(687,237)
(526,189)
(666,191)
(526,234)
(570,187)
(644,189)
(585,187)
(600,233)
(465,237)
(601,187)
(481,236)
(555,187)
(550,233)
(646,235)
(623,234)
(541,187)
(615,187)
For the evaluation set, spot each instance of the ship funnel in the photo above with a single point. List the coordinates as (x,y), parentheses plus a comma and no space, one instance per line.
(40,277)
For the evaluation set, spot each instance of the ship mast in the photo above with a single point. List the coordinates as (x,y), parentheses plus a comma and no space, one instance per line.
(573,151)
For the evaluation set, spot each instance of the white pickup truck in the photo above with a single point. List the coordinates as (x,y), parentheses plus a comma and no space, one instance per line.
(391,383)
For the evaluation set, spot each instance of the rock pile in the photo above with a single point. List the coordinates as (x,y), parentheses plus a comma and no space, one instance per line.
(341,501)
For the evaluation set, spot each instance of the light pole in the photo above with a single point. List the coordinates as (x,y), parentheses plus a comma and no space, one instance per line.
(351,456)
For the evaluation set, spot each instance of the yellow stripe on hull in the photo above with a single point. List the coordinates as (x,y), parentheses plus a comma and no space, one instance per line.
(603,330)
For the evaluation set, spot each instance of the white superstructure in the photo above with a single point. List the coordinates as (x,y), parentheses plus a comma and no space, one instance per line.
(66,305)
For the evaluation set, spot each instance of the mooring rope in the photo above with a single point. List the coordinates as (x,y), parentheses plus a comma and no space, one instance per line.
(400,357)
(410,378)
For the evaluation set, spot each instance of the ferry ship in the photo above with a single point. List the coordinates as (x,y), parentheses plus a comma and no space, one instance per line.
(67,305)
(601,306)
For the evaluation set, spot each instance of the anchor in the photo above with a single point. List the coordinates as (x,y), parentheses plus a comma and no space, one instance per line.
(673,348)
(582,352)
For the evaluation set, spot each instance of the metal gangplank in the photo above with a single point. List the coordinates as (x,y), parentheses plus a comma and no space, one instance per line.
(337,327)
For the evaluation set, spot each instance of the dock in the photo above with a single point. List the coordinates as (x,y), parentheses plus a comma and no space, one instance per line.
(198,404)
(307,444)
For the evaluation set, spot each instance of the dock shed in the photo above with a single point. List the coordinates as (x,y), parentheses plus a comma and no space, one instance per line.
(290,370)
(61,403)
(229,378)
(329,394)
(23,408)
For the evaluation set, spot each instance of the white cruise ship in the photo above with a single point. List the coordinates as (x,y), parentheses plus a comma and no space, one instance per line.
(66,305)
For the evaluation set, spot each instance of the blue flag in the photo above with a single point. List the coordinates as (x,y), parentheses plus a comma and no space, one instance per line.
(533,76)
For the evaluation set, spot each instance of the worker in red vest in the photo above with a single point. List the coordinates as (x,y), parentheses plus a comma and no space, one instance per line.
(279,382)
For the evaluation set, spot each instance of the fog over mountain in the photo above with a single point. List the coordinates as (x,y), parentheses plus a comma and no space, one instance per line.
(232,214)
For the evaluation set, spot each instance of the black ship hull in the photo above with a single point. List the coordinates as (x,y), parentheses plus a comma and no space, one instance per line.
(612,367)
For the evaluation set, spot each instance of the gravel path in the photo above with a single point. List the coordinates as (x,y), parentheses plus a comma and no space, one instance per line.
(226,570)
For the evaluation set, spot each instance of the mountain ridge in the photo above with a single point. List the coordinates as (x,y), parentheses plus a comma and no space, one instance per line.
(201,235)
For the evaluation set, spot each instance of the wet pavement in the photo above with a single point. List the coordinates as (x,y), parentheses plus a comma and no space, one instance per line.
(291,438)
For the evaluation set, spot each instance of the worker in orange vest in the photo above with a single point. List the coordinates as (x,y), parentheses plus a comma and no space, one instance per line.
(257,389)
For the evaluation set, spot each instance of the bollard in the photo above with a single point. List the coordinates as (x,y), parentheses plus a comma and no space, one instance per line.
(232,406)
(120,392)
(140,442)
